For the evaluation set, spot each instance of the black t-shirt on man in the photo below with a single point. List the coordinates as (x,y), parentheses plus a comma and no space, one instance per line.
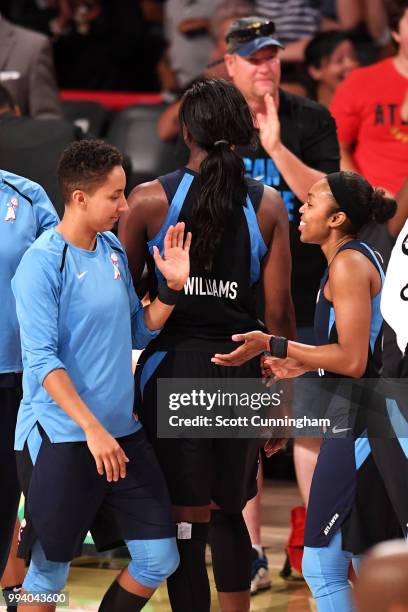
(309,132)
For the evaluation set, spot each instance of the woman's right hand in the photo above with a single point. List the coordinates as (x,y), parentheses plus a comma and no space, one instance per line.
(108,454)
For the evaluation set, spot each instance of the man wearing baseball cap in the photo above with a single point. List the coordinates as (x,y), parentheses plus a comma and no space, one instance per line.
(297,146)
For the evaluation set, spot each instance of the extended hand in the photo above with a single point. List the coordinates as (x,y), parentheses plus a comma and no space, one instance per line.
(269,125)
(108,454)
(175,263)
(281,368)
(254,344)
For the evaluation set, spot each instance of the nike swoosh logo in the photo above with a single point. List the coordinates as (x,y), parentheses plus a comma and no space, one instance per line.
(337,430)
(79,276)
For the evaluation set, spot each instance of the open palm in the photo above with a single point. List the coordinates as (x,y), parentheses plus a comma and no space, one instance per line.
(175,262)
(254,343)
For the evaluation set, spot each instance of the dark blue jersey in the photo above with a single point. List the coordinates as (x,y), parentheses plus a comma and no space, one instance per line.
(218,303)
(325,320)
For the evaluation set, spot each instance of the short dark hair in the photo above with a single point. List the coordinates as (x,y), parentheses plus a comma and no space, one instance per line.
(6,99)
(322,46)
(85,165)
(395,11)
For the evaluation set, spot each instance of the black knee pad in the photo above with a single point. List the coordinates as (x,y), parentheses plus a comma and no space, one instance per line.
(231,552)
(188,587)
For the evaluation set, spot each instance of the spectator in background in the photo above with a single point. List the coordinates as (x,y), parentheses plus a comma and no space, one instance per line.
(296,22)
(330,57)
(298,143)
(350,14)
(226,12)
(370,110)
(189,42)
(382,583)
(32,147)
(26,69)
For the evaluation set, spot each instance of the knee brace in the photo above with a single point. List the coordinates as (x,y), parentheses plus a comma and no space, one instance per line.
(45,576)
(231,552)
(152,560)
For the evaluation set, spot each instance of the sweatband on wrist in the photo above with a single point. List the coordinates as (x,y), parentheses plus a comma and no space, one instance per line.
(166,295)
(278,347)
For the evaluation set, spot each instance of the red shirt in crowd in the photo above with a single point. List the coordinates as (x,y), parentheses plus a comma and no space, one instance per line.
(367,110)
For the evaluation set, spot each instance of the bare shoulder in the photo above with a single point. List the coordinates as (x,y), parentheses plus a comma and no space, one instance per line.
(350,266)
(272,205)
(149,196)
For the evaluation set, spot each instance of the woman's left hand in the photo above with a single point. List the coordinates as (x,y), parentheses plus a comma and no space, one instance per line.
(175,263)
(254,343)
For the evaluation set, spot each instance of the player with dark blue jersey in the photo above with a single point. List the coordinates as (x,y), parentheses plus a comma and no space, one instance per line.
(351,504)
(80,318)
(25,212)
(240,238)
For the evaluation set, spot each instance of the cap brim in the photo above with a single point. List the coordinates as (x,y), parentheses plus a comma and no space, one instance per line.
(255,45)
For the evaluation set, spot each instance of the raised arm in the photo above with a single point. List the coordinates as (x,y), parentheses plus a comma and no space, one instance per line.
(174,266)
(298,175)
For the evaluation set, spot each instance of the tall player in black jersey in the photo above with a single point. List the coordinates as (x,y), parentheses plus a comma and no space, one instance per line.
(240,238)
(354,502)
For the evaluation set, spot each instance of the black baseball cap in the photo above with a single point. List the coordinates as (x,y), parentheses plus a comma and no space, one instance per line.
(249,34)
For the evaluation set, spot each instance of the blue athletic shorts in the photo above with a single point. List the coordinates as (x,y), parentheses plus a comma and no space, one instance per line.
(66,498)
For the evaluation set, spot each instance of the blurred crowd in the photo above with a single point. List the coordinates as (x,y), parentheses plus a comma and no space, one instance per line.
(334,53)
(151,45)
(163,46)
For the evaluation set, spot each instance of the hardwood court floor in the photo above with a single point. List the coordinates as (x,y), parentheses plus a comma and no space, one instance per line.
(87,584)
